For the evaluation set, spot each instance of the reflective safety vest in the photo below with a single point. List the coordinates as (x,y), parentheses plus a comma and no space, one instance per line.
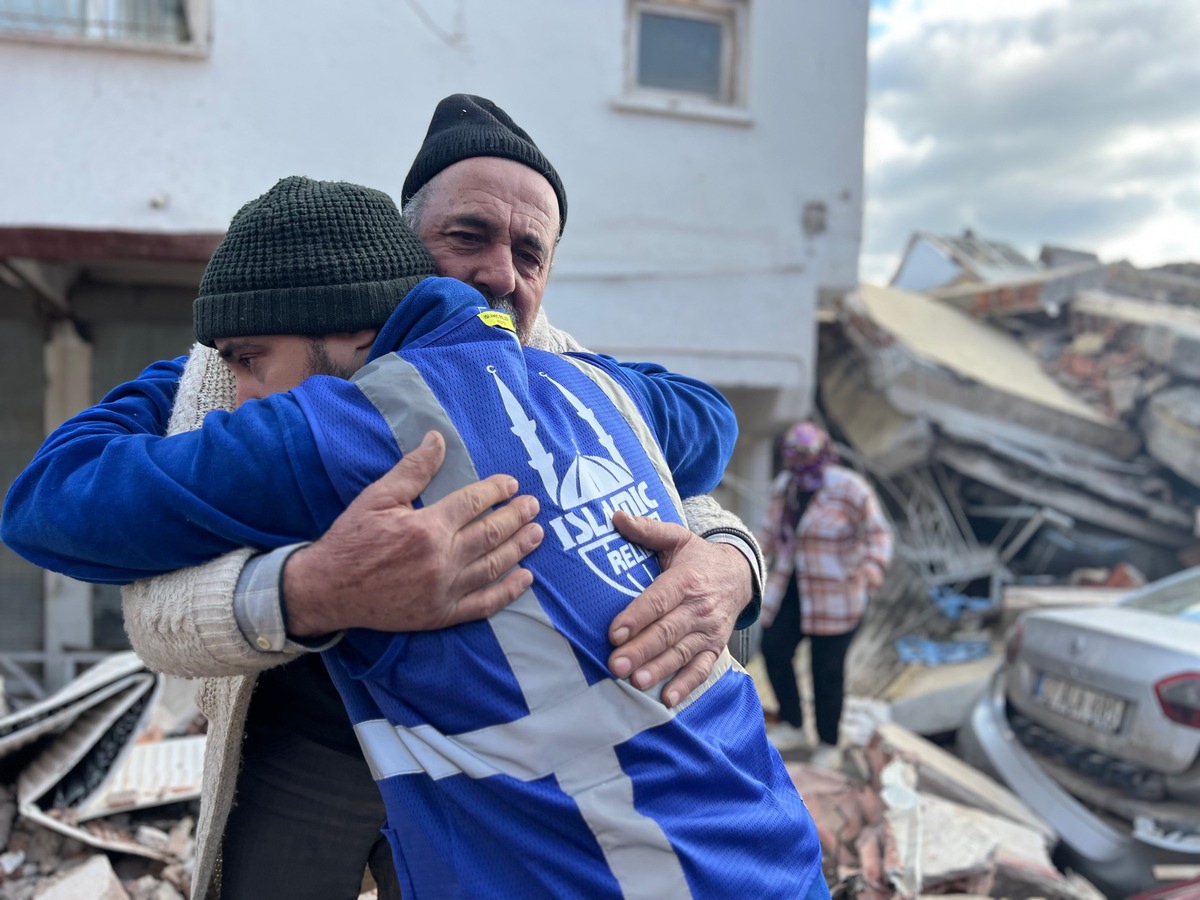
(511,762)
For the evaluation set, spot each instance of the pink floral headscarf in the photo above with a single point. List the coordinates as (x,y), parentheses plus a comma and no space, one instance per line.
(807,450)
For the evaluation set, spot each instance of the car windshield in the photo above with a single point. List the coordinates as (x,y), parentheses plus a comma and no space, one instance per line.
(1179,598)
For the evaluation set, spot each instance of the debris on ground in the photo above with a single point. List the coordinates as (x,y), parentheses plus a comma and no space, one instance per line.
(1028,424)
(904,818)
(100,786)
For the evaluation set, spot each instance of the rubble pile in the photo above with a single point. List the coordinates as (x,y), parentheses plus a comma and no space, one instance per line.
(1018,429)
(99,788)
(902,818)
(38,863)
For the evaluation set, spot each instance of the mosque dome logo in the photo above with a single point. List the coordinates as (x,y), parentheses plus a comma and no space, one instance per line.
(592,488)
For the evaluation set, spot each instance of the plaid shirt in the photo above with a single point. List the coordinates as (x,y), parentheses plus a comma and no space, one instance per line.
(842,530)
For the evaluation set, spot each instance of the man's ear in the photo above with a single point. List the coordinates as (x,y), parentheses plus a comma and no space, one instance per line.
(351,347)
(364,340)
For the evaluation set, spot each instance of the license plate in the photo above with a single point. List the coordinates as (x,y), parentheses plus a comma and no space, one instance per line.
(1100,711)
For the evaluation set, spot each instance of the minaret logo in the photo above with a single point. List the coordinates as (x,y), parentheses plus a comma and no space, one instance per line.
(591,489)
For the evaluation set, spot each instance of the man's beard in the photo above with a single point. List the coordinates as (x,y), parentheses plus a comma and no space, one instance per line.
(320,363)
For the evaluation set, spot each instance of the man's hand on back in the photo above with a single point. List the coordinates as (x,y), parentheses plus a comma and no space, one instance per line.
(388,566)
(682,622)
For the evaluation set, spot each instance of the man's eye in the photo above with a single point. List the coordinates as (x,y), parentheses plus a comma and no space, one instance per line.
(468,237)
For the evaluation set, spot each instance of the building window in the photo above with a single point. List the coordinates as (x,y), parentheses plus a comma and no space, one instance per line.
(686,55)
(173,25)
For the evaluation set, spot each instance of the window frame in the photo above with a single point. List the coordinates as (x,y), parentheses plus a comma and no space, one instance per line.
(196,16)
(732,103)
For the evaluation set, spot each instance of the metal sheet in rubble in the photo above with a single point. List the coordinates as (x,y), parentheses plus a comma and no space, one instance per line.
(62,717)
(106,753)
(151,774)
(82,762)
(96,684)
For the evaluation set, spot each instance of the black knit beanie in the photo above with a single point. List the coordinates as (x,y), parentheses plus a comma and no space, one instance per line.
(465,126)
(309,257)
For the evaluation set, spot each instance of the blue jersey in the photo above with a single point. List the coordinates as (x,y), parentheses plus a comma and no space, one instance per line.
(511,762)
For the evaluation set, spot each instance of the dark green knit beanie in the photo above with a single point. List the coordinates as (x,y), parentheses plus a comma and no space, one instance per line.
(465,126)
(309,257)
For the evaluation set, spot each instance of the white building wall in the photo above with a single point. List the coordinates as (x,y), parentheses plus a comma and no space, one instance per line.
(685,240)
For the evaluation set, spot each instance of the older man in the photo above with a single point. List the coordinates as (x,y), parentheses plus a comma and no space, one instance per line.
(491,208)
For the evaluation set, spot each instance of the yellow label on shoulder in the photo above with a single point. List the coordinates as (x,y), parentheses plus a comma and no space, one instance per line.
(497,319)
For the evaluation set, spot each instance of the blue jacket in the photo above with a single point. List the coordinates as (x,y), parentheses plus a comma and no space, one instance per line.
(108,500)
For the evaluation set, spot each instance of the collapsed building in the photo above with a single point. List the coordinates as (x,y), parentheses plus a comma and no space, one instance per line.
(1026,423)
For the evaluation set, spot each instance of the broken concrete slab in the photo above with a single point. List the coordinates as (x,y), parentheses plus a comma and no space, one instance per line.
(95,880)
(1125,484)
(887,440)
(1070,501)
(925,355)
(931,701)
(1039,292)
(947,776)
(1154,284)
(958,845)
(1171,423)
(1170,334)
(1016,598)
(884,835)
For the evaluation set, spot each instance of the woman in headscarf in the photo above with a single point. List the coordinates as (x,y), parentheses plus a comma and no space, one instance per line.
(829,546)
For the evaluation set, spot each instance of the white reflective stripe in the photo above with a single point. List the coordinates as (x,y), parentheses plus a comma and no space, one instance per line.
(545,742)
(638,852)
(392,750)
(602,716)
(534,746)
(628,409)
(541,659)
(399,392)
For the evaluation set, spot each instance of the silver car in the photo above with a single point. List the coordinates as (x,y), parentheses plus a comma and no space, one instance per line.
(1094,721)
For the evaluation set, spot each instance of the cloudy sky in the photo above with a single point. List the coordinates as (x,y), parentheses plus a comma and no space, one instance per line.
(1072,122)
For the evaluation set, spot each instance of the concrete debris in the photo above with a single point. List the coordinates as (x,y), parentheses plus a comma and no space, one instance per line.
(888,829)
(1046,291)
(95,878)
(11,862)
(150,888)
(1172,427)
(1184,890)
(110,763)
(936,701)
(1021,421)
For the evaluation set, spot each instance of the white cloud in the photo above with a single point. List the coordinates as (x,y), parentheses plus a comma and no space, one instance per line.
(1072,122)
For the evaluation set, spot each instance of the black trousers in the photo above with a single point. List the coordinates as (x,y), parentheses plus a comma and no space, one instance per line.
(305,825)
(828,651)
